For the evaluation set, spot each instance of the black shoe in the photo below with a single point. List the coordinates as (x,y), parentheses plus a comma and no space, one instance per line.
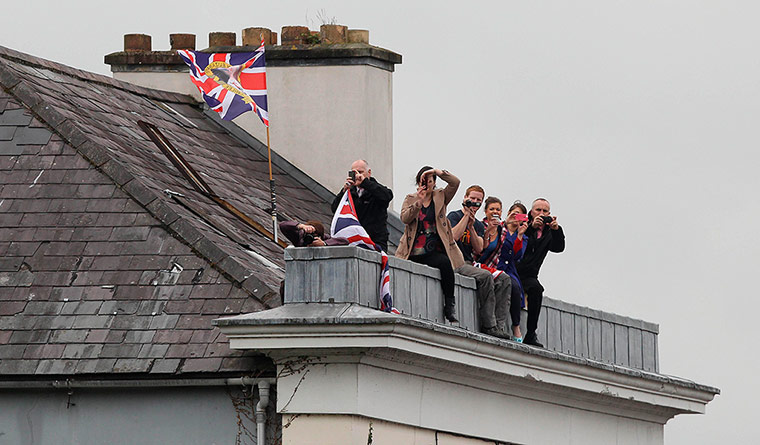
(496,332)
(532,339)
(449,315)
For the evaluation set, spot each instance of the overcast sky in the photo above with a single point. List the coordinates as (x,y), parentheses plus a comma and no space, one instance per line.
(638,120)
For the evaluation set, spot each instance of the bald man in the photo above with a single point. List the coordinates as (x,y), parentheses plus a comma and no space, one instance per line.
(371,200)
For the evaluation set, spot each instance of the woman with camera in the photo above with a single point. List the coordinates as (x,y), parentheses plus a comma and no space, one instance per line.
(427,238)
(505,245)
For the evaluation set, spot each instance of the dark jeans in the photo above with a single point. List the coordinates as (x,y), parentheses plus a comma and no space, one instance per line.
(440,261)
(535,293)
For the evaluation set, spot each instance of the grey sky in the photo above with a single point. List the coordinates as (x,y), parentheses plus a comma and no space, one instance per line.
(638,120)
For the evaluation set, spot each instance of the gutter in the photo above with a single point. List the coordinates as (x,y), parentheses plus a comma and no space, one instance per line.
(134,383)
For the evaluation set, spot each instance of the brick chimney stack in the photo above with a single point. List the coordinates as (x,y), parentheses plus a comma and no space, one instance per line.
(329,91)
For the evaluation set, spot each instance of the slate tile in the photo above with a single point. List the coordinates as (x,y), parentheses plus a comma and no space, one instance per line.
(218,350)
(115,219)
(164,321)
(131,322)
(5,336)
(98,293)
(165,366)
(196,321)
(19,117)
(82,351)
(87,278)
(56,366)
(92,234)
(173,336)
(43,308)
(202,365)
(17,321)
(39,219)
(6,133)
(47,351)
(121,277)
(120,351)
(67,206)
(30,205)
(87,366)
(132,365)
(185,350)
(133,292)
(36,336)
(93,321)
(204,336)
(18,367)
(210,290)
(135,336)
(151,307)
(184,306)
(22,248)
(53,234)
(12,307)
(53,322)
(77,219)
(103,248)
(32,136)
(66,293)
(51,278)
(130,233)
(119,307)
(107,205)
(97,191)
(96,335)
(68,336)
(153,351)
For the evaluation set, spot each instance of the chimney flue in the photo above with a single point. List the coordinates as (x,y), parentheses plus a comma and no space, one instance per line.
(182,41)
(333,33)
(137,42)
(358,36)
(294,35)
(252,36)
(222,39)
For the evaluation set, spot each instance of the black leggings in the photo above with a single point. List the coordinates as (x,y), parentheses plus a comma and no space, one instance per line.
(515,304)
(440,261)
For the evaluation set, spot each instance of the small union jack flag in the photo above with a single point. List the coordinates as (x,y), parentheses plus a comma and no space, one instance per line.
(231,83)
(345,224)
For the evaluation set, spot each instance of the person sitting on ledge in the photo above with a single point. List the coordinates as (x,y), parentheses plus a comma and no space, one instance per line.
(503,247)
(427,238)
(309,234)
(493,286)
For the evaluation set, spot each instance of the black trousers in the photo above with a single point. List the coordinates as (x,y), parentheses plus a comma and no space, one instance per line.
(515,305)
(535,293)
(440,261)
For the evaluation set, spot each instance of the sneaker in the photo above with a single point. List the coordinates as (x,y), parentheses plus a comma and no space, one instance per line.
(532,339)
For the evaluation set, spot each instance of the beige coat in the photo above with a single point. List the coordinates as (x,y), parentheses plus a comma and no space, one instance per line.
(410,210)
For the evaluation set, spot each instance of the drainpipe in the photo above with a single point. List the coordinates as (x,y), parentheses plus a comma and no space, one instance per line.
(261,413)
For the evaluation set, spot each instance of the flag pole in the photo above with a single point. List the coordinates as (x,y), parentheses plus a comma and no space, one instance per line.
(271,190)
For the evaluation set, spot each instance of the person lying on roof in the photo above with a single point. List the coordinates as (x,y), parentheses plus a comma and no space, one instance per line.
(309,234)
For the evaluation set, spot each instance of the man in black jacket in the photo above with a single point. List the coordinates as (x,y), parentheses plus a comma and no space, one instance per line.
(371,200)
(544,236)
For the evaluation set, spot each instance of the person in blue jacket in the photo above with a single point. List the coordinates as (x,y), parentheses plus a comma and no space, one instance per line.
(512,244)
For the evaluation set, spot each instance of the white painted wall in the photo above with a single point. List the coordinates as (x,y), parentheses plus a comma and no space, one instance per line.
(414,406)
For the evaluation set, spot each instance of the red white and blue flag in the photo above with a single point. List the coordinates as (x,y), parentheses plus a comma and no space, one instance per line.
(231,83)
(346,225)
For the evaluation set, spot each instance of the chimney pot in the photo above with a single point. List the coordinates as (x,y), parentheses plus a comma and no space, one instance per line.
(333,33)
(182,41)
(137,42)
(222,39)
(252,36)
(358,36)
(294,35)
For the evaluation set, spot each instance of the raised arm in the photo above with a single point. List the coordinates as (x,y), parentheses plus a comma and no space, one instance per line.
(377,190)
(452,184)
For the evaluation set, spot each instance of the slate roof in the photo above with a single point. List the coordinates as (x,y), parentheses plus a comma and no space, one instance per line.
(110,261)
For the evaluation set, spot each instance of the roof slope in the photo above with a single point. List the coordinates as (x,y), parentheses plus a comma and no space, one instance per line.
(102,270)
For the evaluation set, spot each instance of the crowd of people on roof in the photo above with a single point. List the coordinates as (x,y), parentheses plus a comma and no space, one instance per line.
(503,254)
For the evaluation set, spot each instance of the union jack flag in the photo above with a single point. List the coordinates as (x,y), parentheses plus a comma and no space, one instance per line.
(231,83)
(345,224)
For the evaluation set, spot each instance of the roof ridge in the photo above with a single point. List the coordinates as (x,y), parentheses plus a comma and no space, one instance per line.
(123,178)
(100,79)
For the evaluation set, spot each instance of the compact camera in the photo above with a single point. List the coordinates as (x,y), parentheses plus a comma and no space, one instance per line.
(469,203)
(352,175)
(521,217)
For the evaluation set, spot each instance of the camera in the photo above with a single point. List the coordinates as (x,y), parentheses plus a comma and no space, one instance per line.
(469,203)
(547,220)
(352,175)
(308,238)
